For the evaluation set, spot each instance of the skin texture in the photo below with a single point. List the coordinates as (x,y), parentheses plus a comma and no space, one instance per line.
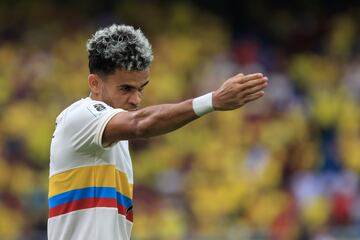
(124,89)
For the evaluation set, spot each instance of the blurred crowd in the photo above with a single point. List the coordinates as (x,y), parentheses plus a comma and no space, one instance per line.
(285,167)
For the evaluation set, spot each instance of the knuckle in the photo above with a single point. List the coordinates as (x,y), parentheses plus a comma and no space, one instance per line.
(240,75)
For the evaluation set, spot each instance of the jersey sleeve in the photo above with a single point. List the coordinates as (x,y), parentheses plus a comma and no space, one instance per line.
(85,125)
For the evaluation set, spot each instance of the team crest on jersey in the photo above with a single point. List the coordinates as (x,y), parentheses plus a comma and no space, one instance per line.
(96,109)
(99,107)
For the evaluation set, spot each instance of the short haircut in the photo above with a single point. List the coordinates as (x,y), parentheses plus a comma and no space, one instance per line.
(118,47)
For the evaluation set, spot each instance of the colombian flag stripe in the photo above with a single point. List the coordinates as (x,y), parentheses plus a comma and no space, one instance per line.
(90,176)
(89,203)
(89,187)
(90,192)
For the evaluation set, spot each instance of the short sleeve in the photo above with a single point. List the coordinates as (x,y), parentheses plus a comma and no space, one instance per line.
(85,124)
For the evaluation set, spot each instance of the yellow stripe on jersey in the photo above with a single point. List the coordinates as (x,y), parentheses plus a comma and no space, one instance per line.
(90,176)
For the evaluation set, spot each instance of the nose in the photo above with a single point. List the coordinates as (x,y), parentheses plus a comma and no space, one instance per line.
(135,99)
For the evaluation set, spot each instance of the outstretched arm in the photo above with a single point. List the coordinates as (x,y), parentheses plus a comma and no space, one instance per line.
(159,119)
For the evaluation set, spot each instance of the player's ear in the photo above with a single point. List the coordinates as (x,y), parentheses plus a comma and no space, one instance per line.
(94,83)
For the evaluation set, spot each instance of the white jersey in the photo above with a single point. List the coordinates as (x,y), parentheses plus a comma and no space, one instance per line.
(90,186)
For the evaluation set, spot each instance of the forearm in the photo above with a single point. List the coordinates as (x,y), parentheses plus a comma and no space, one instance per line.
(159,119)
(149,121)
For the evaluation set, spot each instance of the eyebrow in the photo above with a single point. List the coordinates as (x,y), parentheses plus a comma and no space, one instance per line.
(144,84)
(132,86)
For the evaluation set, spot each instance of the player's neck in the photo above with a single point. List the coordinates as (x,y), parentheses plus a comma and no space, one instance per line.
(94,97)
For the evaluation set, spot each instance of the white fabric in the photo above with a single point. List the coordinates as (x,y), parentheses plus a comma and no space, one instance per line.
(76,143)
(90,224)
(203,104)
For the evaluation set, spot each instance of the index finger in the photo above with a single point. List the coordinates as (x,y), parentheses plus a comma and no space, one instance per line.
(243,79)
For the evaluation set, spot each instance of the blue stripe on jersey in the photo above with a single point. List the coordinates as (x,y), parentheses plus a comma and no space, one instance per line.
(89,192)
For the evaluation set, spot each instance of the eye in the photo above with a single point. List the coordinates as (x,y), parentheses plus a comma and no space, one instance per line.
(125,88)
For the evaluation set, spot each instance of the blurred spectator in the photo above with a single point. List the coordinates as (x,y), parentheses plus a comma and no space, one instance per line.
(284,168)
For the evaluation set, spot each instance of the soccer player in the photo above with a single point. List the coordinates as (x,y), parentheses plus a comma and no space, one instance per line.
(91,177)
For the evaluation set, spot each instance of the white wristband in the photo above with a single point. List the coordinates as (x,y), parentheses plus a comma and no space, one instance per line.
(203,104)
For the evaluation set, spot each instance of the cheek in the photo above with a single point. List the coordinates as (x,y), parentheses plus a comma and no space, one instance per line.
(112,96)
(120,97)
(106,91)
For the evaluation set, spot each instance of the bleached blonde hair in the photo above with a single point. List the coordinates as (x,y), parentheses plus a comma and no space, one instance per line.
(118,46)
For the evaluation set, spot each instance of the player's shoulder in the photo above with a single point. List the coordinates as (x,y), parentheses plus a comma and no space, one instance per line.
(94,107)
(82,110)
(89,106)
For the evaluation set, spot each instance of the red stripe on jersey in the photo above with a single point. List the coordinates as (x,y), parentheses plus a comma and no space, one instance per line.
(88,203)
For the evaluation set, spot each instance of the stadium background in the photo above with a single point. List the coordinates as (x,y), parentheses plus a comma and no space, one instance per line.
(286,167)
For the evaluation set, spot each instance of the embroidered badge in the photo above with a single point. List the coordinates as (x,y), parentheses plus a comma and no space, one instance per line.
(99,107)
(96,109)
